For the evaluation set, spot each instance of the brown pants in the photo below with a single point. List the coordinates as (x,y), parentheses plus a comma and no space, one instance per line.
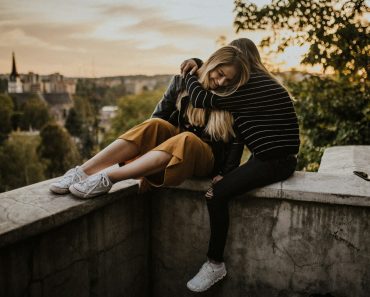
(190,155)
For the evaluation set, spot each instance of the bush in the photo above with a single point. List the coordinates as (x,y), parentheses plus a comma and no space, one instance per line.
(331,112)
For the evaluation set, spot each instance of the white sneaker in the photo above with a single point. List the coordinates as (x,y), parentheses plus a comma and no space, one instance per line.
(72,176)
(207,276)
(94,185)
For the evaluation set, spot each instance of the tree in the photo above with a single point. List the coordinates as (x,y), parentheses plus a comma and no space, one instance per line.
(331,112)
(74,123)
(6,112)
(336,31)
(3,85)
(35,114)
(20,164)
(58,150)
(79,123)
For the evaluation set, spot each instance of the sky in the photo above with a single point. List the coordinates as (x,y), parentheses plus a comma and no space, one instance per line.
(95,38)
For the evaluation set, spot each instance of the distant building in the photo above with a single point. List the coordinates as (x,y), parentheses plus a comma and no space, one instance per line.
(14,82)
(59,105)
(52,89)
(107,113)
(137,86)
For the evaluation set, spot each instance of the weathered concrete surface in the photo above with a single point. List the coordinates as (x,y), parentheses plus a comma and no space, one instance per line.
(307,235)
(345,159)
(276,247)
(97,251)
(34,209)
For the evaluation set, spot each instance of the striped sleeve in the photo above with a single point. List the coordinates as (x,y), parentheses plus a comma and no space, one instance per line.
(201,98)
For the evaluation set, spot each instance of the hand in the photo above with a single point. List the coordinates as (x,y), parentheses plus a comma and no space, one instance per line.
(188,66)
(144,186)
(216,179)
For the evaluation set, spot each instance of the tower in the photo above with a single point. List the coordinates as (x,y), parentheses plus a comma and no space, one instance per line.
(14,83)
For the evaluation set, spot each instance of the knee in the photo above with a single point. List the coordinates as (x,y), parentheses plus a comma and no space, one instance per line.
(188,137)
(156,122)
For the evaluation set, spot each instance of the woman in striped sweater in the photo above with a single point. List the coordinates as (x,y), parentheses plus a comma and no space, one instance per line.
(267,123)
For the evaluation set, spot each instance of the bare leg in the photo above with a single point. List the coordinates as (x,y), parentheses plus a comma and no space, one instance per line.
(150,163)
(118,151)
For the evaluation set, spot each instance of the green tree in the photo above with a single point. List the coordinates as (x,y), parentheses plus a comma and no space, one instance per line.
(331,112)
(35,114)
(6,112)
(3,85)
(20,164)
(74,123)
(80,123)
(58,150)
(337,32)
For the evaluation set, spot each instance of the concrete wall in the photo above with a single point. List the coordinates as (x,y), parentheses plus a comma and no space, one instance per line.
(99,252)
(275,247)
(307,235)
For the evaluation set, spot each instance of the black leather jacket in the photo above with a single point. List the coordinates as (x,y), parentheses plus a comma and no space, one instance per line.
(227,155)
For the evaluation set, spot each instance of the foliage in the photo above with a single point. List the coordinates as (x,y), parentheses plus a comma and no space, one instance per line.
(74,123)
(20,164)
(132,110)
(6,112)
(336,31)
(3,85)
(331,112)
(34,114)
(58,150)
(80,122)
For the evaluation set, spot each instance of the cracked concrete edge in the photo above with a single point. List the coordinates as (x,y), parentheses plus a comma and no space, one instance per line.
(306,186)
(25,215)
(33,209)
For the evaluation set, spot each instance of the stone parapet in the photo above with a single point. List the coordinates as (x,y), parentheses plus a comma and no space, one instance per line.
(307,235)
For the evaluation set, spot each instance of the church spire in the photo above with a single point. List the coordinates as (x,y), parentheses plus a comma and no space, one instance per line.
(14,73)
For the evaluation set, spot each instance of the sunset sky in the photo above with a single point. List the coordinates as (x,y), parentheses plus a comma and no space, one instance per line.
(94,38)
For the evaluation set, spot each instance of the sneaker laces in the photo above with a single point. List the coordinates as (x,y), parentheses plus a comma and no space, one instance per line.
(94,181)
(70,176)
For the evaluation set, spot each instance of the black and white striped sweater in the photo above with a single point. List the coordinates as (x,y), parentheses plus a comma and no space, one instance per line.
(263,112)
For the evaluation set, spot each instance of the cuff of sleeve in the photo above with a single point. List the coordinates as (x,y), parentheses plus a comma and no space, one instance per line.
(198,61)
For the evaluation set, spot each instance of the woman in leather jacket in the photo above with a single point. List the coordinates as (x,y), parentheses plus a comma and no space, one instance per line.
(178,142)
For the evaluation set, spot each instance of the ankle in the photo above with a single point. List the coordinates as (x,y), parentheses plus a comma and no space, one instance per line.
(214,262)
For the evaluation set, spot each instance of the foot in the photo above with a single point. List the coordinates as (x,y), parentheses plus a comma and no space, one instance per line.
(72,176)
(94,185)
(207,276)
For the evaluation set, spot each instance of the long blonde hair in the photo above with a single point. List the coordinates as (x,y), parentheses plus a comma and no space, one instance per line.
(220,123)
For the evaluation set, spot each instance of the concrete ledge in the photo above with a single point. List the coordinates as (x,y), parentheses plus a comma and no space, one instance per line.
(27,211)
(307,235)
(31,210)
(308,186)
(345,159)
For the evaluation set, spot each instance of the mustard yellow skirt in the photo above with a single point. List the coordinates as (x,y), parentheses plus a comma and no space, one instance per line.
(190,155)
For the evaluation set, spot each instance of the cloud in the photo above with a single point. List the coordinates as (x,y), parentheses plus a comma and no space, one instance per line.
(152,19)
(129,10)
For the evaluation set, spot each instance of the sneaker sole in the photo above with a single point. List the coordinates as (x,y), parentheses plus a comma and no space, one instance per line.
(206,288)
(81,195)
(57,190)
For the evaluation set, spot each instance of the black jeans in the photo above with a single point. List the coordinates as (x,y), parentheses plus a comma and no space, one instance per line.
(253,174)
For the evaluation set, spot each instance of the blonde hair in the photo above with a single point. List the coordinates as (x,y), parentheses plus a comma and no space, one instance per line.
(220,123)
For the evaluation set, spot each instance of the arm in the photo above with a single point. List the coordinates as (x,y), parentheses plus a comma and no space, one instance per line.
(167,105)
(201,98)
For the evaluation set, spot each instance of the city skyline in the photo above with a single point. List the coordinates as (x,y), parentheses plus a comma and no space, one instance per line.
(110,38)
